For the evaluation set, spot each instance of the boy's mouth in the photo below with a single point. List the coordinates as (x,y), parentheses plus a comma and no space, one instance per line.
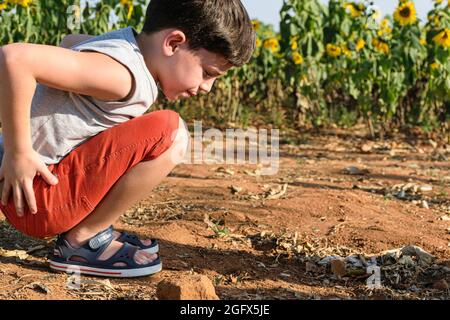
(188,94)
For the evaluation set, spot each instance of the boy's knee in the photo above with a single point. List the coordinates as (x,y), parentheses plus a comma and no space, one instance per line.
(181,142)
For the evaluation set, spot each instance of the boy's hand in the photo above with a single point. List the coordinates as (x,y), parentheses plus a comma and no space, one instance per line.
(18,170)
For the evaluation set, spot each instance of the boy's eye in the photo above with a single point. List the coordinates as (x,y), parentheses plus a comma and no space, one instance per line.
(206,74)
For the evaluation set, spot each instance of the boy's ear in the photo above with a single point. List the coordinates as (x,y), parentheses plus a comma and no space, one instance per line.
(173,40)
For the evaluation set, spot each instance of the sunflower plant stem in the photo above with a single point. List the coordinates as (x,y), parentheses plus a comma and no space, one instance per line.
(370,126)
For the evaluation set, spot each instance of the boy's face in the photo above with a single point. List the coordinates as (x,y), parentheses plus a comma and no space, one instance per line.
(186,73)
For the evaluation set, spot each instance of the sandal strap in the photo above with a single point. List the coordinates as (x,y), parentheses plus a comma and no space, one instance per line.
(89,251)
(130,238)
(125,254)
(134,239)
(100,239)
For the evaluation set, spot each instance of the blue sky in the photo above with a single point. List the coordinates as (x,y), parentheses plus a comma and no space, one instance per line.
(268,10)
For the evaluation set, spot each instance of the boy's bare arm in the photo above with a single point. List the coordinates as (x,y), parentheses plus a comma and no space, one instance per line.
(88,73)
(21,67)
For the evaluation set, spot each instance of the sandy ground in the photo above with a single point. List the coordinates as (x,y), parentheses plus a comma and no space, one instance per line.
(266,237)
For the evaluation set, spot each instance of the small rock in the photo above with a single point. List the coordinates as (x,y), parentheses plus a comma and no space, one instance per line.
(354,261)
(425,205)
(197,287)
(310,267)
(401,194)
(355,171)
(425,188)
(441,285)
(393,254)
(338,268)
(366,147)
(414,288)
(328,259)
(407,261)
(445,218)
(423,256)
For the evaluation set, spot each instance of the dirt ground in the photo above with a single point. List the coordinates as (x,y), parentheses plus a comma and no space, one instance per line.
(337,194)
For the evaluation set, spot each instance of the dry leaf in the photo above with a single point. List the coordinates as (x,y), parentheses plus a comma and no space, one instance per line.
(235,189)
(39,287)
(255,173)
(21,254)
(277,193)
(225,170)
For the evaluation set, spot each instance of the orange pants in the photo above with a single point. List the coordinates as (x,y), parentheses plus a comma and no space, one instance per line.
(88,172)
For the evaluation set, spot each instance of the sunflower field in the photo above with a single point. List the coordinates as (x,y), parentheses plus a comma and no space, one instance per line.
(340,63)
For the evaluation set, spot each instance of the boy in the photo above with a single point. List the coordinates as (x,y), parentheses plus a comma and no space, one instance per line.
(86,105)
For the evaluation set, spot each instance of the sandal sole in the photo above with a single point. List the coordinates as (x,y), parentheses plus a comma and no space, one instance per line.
(112,273)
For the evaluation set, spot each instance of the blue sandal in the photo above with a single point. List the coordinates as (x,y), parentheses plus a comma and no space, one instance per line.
(62,259)
(135,241)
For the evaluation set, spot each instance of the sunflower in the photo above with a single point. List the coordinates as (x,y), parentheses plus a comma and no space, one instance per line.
(23,3)
(381,46)
(258,42)
(443,38)
(129,4)
(333,51)
(384,24)
(297,57)
(384,28)
(256,25)
(360,44)
(354,9)
(272,44)
(345,50)
(3,6)
(423,41)
(405,13)
(294,43)
(434,66)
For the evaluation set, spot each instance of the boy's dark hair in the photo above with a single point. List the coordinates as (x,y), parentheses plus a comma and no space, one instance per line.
(219,26)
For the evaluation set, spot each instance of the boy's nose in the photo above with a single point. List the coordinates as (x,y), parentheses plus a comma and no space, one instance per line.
(206,86)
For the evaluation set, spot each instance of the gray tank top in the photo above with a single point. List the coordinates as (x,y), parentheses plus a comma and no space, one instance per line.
(61,120)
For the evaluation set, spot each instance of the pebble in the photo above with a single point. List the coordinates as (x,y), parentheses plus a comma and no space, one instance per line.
(441,285)
(338,268)
(197,287)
